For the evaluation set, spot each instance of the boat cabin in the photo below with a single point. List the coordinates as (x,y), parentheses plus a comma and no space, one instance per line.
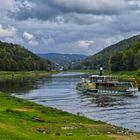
(102,79)
(110,82)
(107,85)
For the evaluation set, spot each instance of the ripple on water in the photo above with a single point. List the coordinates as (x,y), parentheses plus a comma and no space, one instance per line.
(59,92)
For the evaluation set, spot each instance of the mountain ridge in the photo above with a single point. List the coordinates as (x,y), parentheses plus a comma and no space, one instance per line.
(65,60)
(14,57)
(102,57)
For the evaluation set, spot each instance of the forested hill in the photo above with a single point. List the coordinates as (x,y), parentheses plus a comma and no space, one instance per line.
(126,60)
(16,58)
(103,57)
(65,60)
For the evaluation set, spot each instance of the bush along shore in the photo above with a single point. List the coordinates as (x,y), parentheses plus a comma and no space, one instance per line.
(24,120)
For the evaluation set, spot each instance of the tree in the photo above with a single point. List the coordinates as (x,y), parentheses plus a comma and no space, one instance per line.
(129,59)
(116,62)
(137,60)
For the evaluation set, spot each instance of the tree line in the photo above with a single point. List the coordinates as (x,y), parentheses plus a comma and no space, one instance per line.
(126,60)
(16,58)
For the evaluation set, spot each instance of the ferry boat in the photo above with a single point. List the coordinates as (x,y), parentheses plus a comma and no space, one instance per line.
(108,85)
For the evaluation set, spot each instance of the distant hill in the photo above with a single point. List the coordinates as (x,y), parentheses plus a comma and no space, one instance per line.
(102,58)
(16,58)
(65,60)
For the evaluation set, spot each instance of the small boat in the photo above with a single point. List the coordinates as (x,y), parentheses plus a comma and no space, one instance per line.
(108,85)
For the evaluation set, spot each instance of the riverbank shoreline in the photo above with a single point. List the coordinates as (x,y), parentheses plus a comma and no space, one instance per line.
(122,75)
(127,74)
(11,75)
(21,119)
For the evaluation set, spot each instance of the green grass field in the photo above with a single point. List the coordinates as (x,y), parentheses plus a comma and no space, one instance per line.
(23,120)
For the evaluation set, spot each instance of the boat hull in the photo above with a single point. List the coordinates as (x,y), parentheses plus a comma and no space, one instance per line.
(107,92)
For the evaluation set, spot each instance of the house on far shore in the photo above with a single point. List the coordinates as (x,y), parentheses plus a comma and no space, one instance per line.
(61,68)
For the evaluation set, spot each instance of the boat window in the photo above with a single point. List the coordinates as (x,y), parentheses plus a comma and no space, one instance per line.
(123,84)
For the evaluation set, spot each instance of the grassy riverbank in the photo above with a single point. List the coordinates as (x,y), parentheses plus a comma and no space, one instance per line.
(128,74)
(23,120)
(23,74)
(83,71)
(121,74)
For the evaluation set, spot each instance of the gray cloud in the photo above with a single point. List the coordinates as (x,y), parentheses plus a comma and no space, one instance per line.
(94,6)
(68,26)
(35,9)
(51,8)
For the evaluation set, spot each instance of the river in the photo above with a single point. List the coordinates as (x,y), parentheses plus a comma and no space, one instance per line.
(59,92)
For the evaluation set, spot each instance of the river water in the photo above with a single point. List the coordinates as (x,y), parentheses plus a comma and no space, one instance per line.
(59,92)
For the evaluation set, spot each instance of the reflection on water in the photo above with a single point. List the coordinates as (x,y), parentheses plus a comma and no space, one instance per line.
(59,92)
(102,100)
(20,86)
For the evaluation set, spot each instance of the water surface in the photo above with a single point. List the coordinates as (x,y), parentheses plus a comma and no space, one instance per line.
(59,91)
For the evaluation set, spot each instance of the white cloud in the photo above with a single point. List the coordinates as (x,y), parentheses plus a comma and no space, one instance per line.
(85,43)
(134,3)
(30,39)
(7,31)
(27,36)
(8,5)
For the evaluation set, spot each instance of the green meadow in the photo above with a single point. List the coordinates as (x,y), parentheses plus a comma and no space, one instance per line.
(24,120)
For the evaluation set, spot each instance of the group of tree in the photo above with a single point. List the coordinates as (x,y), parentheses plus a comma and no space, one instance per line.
(126,60)
(16,58)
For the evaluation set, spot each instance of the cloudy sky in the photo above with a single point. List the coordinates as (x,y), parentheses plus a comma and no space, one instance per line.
(68,26)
